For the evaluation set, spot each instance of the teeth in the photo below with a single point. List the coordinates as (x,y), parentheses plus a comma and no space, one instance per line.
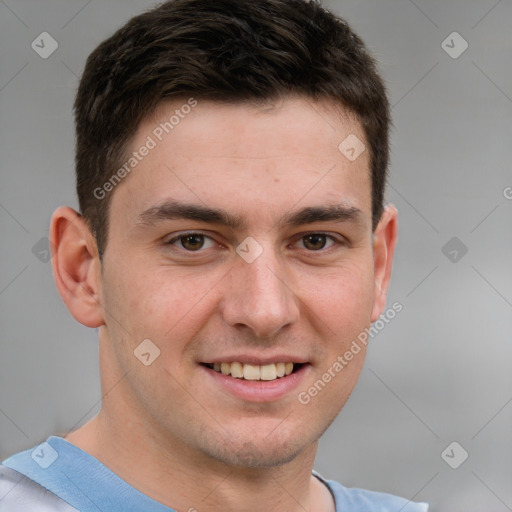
(237,370)
(268,372)
(254,372)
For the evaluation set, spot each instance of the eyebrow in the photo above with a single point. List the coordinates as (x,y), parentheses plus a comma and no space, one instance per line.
(172,210)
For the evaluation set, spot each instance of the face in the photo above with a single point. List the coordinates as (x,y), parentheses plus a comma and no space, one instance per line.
(243,236)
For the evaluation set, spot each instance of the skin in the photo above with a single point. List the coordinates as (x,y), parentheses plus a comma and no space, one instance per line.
(168,429)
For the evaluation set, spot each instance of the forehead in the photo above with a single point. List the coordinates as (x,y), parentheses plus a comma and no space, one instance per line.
(246,158)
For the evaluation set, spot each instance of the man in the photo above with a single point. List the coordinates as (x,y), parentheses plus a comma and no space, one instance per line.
(231,248)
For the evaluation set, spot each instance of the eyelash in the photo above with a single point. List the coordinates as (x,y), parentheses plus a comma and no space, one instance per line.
(339,242)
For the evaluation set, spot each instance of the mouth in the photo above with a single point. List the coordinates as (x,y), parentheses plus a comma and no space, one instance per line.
(258,383)
(253,372)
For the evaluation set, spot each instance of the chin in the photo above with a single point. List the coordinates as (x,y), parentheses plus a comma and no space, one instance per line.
(253,452)
(251,456)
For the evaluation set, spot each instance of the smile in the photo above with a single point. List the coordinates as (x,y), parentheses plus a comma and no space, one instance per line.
(266,372)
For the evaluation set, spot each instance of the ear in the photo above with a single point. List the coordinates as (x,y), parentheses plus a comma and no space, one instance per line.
(76,266)
(384,241)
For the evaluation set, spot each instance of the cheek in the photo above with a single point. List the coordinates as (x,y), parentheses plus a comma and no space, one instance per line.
(342,299)
(159,302)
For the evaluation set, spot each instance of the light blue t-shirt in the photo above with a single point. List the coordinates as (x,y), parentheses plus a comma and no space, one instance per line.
(86,484)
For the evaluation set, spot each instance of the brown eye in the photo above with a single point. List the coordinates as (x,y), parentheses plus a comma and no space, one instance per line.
(189,242)
(314,242)
(192,242)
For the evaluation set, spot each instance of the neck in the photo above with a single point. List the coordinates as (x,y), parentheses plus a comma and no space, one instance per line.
(173,475)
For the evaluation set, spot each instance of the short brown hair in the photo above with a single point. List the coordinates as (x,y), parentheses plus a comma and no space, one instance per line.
(227,51)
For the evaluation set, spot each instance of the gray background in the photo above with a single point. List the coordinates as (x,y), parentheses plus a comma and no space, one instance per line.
(439,372)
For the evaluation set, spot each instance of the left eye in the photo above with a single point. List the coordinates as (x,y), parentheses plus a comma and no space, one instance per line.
(317,241)
(192,241)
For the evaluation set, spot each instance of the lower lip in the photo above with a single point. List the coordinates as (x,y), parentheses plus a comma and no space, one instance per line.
(258,390)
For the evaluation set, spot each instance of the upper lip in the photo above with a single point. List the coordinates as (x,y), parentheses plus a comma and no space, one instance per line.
(257,360)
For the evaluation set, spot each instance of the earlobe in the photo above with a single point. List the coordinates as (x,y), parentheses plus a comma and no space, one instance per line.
(76,266)
(384,242)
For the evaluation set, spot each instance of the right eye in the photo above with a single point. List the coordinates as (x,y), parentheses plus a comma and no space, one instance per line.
(192,242)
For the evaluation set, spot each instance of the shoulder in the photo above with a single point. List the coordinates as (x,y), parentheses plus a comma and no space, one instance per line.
(355,499)
(18,493)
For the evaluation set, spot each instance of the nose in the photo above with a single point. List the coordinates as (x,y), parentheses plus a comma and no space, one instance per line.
(260,297)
